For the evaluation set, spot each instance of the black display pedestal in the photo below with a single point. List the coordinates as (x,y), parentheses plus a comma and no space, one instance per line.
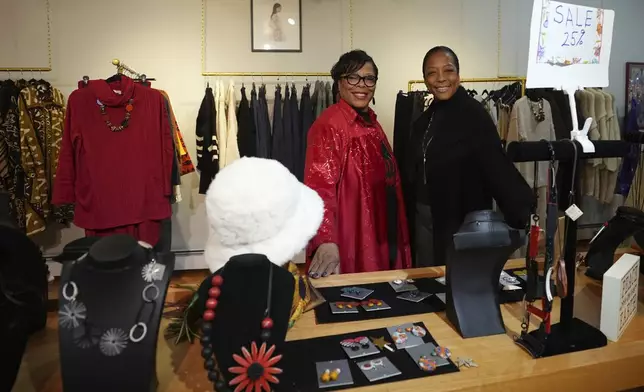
(99,352)
(579,336)
(600,257)
(481,249)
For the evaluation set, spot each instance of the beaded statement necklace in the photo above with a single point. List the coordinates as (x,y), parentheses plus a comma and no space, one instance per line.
(255,368)
(126,120)
(73,315)
(537,110)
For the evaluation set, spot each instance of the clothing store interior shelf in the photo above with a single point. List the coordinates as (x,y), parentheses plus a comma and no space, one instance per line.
(399,307)
(300,357)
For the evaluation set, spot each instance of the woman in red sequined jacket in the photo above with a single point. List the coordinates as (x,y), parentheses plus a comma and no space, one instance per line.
(349,162)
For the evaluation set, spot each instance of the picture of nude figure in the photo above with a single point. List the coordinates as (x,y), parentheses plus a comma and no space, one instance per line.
(276,25)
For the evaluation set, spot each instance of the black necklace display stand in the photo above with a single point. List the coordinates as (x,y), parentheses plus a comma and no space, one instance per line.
(113,286)
(570,334)
(481,248)
(241,308)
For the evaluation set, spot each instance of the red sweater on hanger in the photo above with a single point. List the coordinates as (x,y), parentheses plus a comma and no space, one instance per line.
(115,178)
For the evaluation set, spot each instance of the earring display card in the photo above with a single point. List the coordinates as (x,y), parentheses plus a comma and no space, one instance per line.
(359,347)
(344,307)
(301,357)
(407,335)
(442,297)
(378,369)
(375,304)
(333,374)
(413,296)
(507,280)
(427,353)
(358,293)
(402,285)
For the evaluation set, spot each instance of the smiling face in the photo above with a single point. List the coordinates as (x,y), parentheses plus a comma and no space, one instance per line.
(357,88)
(441,75)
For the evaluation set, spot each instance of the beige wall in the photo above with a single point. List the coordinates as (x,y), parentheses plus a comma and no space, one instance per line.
(163,39)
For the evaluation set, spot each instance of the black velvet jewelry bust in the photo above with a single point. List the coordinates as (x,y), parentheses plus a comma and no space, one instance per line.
(628,221)
(241,308)
(110,306)
(481,248)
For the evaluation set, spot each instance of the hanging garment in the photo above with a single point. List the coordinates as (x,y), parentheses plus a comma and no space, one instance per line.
(306,114)
(185,162)
(329,95)
(286,139)
(232,149)
(315,98)
(296,131)
(320,103)
(10,133)
(246,129)
(408,108)
(116,177)
(42,112)
(222,123)
(590,170)
(345,164)
(631,161)
(279,152)
(264,139)
(207,146)
(175,176)
(609,179)
(525,126)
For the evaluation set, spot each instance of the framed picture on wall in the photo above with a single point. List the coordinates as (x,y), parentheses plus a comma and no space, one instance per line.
(276,25)
(635,91)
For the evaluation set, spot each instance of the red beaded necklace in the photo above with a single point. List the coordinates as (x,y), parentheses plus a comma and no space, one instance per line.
(255,368)
(126,120)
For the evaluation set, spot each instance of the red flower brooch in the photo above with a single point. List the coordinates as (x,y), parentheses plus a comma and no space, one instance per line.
(255,369)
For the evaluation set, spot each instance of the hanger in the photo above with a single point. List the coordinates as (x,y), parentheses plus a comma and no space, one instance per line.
(114,78)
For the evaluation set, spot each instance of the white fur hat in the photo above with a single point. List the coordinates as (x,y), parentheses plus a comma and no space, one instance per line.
(256,205)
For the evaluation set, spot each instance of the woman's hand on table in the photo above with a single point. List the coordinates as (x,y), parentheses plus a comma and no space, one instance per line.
(326,261)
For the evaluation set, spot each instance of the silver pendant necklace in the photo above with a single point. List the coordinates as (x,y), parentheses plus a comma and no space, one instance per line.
(425,147)
(72,316)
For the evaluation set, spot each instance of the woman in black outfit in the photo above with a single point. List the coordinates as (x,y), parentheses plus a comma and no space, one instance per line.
(458,165)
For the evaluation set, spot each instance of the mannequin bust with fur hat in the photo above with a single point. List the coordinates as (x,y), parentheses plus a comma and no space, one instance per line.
(260,216)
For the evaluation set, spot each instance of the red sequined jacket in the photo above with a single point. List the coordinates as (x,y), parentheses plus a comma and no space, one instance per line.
(350,164)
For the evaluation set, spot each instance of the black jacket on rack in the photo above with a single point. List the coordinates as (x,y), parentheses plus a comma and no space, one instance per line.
(466,167)
(279,152)
(245,128)
(296,132)
(207,147)
(263,126)
(306,115)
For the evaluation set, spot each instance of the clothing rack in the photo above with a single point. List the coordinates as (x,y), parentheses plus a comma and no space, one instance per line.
(571,334)
(411,83)
(269,74)
(25,69)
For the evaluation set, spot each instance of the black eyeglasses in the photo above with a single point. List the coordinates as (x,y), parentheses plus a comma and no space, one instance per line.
(354,80)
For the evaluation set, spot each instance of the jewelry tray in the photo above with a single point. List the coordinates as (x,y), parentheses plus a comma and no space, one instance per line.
(383,291)
(300,357)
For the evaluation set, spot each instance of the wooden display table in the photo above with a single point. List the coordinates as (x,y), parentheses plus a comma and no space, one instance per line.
(503,366)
